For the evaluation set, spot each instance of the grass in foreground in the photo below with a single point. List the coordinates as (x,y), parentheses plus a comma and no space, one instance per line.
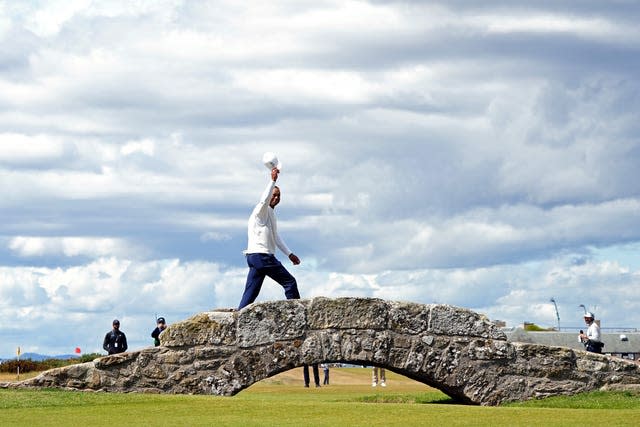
(591,400)
(282,401)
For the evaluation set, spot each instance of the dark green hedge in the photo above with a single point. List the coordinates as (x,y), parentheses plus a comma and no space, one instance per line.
(28,365)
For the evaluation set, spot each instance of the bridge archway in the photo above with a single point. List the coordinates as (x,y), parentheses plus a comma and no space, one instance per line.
(422,342)
(455,350)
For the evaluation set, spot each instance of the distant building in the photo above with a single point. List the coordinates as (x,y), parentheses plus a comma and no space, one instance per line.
(624,345)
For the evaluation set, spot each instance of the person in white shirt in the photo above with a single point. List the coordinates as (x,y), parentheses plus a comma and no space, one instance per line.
(591,339)
(263,238)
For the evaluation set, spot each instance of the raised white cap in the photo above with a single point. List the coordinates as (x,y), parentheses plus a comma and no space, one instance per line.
(271,161)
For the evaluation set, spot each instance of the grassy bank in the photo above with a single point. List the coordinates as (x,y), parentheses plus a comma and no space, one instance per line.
(13,376)
(282,401)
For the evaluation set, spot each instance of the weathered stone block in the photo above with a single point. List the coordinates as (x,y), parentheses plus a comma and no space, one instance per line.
(331,342)
(347,313)
(282,355)
(213,352)
(398,356)
(175,357)
(209,328)
(481,349)
(311,348)
(115,359)
(450,320)
(154,371)
(409,318)
(265,323)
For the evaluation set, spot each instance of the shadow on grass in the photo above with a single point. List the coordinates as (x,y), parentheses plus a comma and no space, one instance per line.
(588,400)
(426,398)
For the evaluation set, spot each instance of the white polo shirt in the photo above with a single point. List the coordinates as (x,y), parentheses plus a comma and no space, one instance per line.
(262,227)
(594,332)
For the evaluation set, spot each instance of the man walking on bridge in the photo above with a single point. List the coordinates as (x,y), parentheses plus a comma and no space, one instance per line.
(263,238)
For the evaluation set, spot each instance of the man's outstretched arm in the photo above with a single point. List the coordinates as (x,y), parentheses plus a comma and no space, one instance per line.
(266,195)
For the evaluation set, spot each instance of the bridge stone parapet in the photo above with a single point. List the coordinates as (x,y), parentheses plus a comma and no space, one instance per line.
(456,350)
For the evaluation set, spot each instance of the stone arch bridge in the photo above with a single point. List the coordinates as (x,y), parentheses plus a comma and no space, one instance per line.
(458,351)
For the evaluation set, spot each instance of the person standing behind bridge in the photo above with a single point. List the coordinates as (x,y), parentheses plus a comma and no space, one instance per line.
(325,369)
(316,374)
(374,374)
(115,341)
(591,340)
(155,334)
(263,237)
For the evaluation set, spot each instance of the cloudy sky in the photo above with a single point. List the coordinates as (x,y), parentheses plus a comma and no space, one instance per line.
(480,154)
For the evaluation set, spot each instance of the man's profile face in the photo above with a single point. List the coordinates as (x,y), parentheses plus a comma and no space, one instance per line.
(275,197)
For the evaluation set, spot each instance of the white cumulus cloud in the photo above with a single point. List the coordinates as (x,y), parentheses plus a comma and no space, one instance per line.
(28,246)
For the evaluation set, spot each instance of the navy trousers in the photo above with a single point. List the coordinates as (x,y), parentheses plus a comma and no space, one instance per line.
(260,266)
(316,375)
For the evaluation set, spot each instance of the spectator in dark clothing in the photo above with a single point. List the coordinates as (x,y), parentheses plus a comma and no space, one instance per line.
(115,341)
(316,374)
(162,325)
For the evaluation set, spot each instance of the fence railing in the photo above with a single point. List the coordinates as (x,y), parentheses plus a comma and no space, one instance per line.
(611,330)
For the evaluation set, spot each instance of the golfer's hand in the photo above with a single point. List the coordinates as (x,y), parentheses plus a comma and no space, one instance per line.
(294,259)
(274,174)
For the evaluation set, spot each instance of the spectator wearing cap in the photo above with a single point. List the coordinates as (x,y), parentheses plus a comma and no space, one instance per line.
(115,341)
(162,325)
(591,340)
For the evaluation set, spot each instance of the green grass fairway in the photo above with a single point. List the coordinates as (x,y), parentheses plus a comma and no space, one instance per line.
(282,401)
